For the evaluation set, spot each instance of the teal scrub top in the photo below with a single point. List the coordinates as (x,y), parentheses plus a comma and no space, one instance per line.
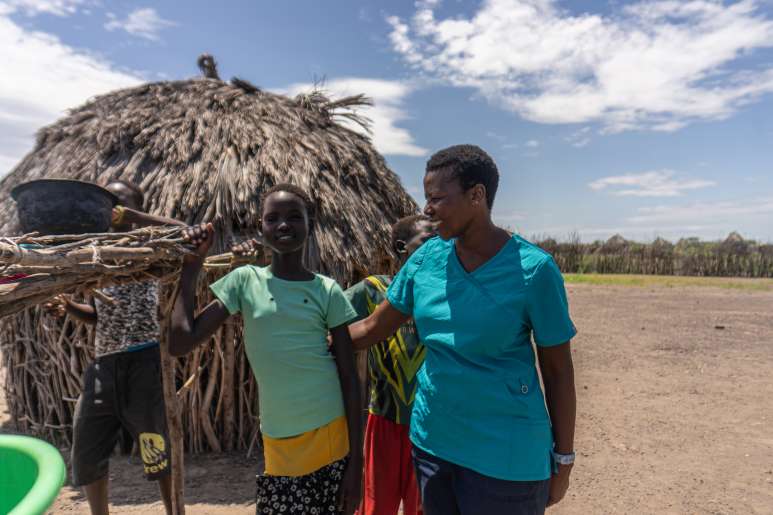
(479,402)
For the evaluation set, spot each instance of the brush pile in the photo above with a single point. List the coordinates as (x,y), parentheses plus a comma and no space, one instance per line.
(33,268)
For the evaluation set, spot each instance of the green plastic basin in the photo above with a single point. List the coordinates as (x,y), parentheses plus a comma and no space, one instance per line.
(31,474)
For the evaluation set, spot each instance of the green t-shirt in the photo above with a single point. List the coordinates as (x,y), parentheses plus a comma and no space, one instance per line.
(393,363)
(285,337)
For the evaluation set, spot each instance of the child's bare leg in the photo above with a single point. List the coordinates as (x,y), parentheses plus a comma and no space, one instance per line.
(165,485)
(96,494)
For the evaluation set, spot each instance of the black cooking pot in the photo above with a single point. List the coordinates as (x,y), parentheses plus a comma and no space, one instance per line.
(62,206)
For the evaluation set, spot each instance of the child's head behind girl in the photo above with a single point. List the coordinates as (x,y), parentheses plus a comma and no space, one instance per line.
(287,219)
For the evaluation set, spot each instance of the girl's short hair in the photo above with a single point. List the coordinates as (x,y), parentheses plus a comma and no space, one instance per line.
(293,189)
(405,228)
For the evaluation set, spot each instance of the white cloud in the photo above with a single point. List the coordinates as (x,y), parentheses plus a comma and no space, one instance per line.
(579,138)
(364,15)
(386,113)
(707,220)
(532,143)
(704,211)
(42,78)
(35,7)
(495,136)
(658,65)
(635,233)
(656,183)
(401,41)
(144,23)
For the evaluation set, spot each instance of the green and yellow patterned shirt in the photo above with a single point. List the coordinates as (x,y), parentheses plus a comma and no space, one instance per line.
(393,363)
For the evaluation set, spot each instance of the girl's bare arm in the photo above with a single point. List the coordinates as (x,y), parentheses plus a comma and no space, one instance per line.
(186,331)
(351,486)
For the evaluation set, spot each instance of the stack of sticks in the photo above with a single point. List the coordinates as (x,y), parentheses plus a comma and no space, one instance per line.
(36,268)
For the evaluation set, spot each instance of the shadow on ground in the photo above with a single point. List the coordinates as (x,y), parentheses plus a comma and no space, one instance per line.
(219,483)
(210,479)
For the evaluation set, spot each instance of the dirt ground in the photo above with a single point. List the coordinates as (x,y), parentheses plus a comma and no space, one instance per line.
(674,409)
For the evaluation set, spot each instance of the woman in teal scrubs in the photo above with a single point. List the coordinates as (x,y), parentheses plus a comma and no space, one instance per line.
(485,438)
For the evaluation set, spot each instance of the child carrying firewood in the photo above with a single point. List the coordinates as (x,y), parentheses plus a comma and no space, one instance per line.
(122,387)
(309,399)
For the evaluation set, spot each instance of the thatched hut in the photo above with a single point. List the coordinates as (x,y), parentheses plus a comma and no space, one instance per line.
(202,150)
(614,245)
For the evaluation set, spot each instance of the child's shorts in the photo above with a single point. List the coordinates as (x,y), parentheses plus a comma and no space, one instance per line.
(120,390)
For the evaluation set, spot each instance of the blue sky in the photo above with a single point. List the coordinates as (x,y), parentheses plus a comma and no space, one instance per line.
(645,118)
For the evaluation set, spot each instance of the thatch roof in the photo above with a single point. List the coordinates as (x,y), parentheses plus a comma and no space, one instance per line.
(736,244)
(204,149)
(734,238)
(616,241)
(613,245)
(662,243)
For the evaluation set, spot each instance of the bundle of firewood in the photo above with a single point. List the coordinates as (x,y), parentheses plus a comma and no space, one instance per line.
(35,268)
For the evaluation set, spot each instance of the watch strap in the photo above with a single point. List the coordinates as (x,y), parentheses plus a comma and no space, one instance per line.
(563,459)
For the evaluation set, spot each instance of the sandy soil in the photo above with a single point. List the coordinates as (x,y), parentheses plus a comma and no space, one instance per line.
(674,389)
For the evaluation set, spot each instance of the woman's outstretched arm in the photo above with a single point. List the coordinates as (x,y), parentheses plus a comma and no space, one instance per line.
(380,325)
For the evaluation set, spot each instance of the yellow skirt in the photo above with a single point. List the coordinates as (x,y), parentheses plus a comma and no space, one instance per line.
(303,454)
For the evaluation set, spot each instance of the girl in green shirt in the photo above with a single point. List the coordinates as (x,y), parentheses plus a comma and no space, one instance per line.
(309,398)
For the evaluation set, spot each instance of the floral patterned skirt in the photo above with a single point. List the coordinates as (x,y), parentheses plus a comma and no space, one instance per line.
(312,494)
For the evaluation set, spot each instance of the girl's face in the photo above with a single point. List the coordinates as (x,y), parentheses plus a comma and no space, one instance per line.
(448,206)
(285,222)
(422,231)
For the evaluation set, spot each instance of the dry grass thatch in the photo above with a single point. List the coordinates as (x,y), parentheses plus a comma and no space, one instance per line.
(202,150)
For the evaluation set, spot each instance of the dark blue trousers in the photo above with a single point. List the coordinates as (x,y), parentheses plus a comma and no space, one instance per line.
(449,489)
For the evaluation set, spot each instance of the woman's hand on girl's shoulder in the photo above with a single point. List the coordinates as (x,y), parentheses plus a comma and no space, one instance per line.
(201,237)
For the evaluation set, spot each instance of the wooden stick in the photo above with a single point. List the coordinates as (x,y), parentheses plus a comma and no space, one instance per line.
(85,255)
(206,421)
(173,421)
(227,390)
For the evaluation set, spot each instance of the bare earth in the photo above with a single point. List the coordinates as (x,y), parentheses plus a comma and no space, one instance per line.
(675,394)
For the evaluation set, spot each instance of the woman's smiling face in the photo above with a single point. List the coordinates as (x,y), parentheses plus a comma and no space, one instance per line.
(448,206)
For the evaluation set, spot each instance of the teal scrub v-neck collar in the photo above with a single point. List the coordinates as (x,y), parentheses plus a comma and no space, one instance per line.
(493,259)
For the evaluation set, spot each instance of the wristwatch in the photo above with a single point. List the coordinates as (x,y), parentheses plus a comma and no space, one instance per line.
(562,459)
